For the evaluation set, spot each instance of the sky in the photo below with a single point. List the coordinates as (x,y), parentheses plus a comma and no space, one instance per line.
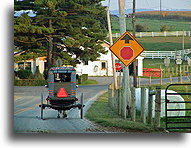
(151,4)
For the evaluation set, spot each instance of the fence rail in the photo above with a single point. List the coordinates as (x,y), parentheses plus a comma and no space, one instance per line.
(163,54)
(157,34)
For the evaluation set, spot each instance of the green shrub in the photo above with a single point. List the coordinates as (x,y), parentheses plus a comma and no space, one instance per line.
(163,28)
(82,78)
(24,74)
(30,82)
(141,28)
(38,75)
(45,74)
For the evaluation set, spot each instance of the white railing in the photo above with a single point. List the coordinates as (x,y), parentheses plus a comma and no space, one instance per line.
(163,54)
(155,34)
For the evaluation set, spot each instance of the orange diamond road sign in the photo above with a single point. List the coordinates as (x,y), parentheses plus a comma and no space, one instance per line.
(126,48)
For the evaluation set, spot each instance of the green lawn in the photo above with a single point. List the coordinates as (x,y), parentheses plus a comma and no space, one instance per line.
(102,114)
(152,24)
(89,82)
(164,43)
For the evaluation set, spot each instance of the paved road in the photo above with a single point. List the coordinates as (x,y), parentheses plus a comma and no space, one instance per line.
(27,113)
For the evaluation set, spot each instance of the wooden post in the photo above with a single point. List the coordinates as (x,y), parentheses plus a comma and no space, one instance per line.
(111,43)
(143,104)
(170,78)
(161,75)
(180,74)
(150,106)
(157,107)
(150,80)
(120,101)
(139,82)
(133,104)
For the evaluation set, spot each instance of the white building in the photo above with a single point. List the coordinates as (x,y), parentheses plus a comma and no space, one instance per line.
(103,66)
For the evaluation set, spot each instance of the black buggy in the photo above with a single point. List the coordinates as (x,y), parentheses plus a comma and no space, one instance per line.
(62,91)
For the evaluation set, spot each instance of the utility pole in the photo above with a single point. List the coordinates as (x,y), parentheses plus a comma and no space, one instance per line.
(160,8)
(134,31)
(111,43)
(126,79)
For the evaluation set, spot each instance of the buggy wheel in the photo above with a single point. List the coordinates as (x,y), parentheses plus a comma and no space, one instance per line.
(42,106)
(82,106)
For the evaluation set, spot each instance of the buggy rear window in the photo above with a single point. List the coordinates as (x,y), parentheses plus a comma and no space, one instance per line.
(62,77)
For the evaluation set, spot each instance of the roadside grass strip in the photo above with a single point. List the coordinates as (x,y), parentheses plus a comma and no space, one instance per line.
(102,114)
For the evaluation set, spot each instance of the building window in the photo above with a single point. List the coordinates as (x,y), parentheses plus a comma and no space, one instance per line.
(20,65)
(103,65)
(27,65)
(86,63)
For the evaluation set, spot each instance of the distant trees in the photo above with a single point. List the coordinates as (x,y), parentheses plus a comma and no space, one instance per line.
(141,28)
(60,29)
(166,28)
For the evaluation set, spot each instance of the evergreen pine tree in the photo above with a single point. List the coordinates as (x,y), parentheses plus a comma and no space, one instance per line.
(60,29)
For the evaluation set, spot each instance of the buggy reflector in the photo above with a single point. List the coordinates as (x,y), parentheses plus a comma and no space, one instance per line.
(62,93)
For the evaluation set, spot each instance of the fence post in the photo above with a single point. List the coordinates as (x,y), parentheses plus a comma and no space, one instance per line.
(157,107)
(133,104)
(143,105)
(150,79)
(109,96)
(150,106)
(161,72)
(120,102)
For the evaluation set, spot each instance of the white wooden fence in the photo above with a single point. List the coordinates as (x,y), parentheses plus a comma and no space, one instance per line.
(155,34)
(163,54)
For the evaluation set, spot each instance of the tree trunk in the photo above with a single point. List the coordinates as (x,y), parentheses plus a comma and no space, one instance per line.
(50,47)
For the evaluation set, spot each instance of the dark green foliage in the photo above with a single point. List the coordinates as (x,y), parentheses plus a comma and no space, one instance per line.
(141,28)
(30,82)
(24,74)
(45,74)
(82,78)
(38,75)
(61,29)
(163,28)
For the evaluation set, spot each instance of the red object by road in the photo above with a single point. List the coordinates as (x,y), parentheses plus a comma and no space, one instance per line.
(118,66)
(62,93)
(153,72)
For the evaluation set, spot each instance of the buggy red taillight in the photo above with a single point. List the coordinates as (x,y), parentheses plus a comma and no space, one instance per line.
(76,99)
(47,99)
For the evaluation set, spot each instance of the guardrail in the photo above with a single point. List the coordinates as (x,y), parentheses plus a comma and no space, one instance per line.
(163,54)
(157,34)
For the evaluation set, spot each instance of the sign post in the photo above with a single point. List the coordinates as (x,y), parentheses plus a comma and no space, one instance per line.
(126,49)
(179,62)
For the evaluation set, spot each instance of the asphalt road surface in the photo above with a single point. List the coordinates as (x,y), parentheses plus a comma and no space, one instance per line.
(27,113)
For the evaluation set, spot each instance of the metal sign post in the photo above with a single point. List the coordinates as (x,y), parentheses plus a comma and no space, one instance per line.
(179,62)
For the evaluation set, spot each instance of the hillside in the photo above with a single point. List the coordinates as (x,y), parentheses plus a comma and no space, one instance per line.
(180,15)
(153,21)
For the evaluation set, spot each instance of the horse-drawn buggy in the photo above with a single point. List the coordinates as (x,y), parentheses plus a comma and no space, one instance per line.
(62,91)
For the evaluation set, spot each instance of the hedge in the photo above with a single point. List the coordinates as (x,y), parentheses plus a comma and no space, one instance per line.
(30,82)
(82,78)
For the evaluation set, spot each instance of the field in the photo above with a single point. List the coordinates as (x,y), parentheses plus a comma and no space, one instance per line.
(153,24)
(164,43)
(182,15)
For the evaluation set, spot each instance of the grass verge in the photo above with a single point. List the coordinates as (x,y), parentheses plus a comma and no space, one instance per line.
(103,115)
(89,82)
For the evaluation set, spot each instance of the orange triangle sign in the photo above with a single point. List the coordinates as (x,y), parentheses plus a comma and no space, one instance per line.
(62,93)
